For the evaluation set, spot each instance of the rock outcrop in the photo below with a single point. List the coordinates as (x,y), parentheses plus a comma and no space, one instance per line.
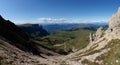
(96,36)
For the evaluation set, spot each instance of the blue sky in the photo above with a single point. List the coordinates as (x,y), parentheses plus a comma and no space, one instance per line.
(39,11)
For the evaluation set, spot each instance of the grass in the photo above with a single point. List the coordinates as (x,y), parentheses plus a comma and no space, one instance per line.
(89,62)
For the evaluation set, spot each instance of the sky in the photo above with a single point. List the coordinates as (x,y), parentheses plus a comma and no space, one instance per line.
(58,11)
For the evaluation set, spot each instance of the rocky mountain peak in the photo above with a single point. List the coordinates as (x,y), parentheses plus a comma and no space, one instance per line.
(118,11)
(114,21)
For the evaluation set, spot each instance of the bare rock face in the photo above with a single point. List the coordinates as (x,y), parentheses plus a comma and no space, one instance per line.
(115,20)
(114,24)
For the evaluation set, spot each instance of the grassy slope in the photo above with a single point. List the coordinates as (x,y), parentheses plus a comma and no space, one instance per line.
(63,41)
(113,57)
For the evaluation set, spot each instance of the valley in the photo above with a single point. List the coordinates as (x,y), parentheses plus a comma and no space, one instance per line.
(71,36)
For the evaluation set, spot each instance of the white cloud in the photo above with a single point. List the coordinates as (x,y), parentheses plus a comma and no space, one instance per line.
(51,20)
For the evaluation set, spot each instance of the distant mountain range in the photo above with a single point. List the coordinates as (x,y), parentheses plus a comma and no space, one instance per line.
(51,28)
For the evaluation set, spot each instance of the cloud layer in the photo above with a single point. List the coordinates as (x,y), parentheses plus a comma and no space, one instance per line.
(53,21)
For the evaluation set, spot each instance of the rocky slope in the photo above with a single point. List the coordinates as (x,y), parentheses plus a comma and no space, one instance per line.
(103,48)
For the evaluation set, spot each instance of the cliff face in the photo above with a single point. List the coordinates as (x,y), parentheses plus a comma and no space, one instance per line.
(102,50)
(34,30)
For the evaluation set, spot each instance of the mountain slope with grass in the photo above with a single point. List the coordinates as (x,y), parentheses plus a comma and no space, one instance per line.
(65,42)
